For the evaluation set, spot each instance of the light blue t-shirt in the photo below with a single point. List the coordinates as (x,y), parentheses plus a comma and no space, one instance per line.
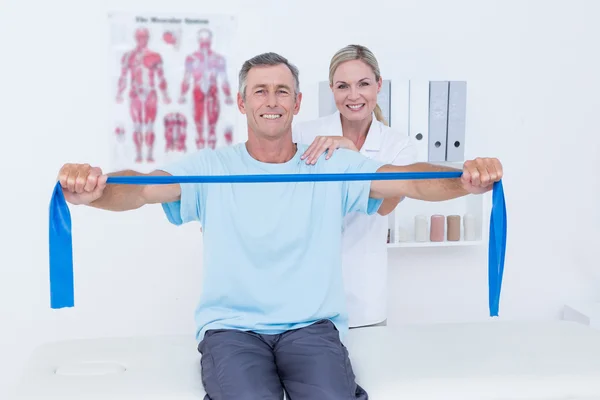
(272,251)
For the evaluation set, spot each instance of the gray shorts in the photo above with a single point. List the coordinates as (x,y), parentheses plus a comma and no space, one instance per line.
(307,364)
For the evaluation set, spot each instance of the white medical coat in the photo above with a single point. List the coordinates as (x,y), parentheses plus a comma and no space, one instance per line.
(364,240)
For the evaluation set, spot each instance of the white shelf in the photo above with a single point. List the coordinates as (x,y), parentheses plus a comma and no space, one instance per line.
(402,220)
(436,244)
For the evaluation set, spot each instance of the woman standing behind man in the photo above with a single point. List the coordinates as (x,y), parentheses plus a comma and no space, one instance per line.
(359,125)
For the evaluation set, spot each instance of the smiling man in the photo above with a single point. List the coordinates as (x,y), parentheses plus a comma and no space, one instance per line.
(271,315)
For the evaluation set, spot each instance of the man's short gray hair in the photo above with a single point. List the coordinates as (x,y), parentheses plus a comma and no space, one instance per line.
(266,59)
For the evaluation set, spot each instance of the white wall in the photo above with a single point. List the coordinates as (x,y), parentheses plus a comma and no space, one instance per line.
(532,68)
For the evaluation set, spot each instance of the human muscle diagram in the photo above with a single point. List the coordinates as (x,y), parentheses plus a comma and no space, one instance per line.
(171,87)
(204,68)
(144,70)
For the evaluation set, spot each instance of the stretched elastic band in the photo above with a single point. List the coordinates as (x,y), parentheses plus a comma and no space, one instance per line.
(61,246)
(497,248)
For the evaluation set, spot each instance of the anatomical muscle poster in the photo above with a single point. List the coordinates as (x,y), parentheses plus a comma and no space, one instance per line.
(172,88)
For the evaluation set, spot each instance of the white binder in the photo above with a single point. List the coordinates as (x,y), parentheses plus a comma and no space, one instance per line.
(438,120)
(418,116)
(457,105)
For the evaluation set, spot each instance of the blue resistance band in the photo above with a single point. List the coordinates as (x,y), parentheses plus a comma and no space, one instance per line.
(61,245)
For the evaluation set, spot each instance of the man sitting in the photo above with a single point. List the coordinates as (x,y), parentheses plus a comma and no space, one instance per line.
(271,315)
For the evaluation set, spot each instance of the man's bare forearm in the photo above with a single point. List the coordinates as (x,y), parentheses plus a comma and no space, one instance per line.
(121,197)
(419,189)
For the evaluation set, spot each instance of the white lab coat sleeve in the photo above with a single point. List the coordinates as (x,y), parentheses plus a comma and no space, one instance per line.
(407,153)
(305,132)
(298,132)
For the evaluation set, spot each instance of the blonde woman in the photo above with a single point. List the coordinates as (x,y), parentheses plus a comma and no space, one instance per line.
(359,125)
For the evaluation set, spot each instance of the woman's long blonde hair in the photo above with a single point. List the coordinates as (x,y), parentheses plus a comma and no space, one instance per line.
(357,52)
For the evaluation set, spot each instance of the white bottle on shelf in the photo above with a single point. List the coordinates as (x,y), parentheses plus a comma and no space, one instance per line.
(421,228)
(469,227)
